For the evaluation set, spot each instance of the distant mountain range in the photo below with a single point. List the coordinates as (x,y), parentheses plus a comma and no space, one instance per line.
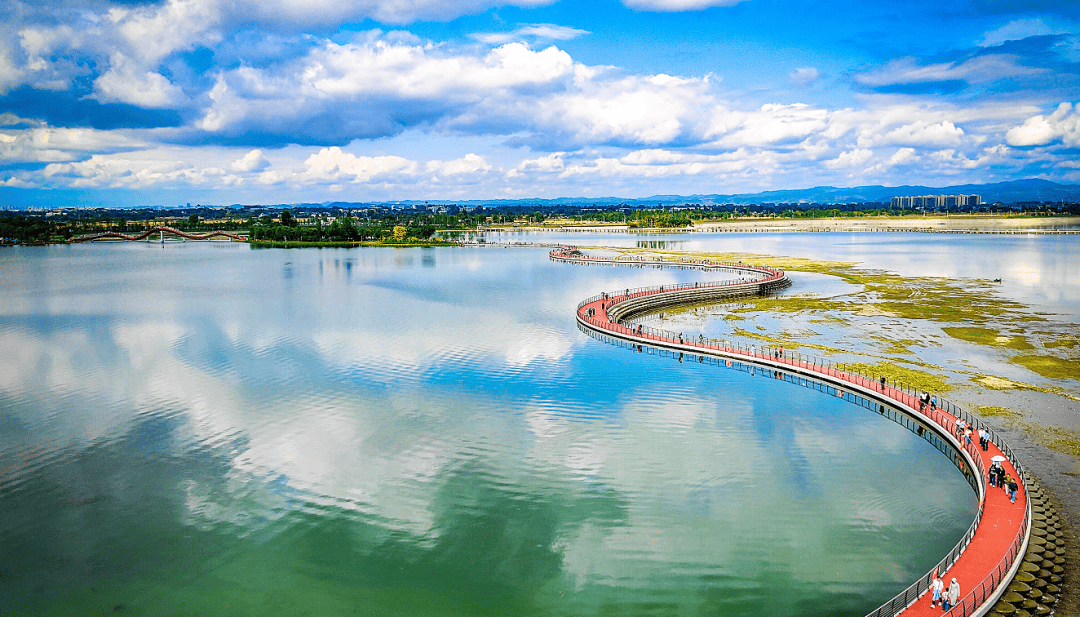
(1005,192)
(1031,189)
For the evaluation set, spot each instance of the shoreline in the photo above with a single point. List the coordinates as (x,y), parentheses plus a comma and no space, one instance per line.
(933,224)
(958,224)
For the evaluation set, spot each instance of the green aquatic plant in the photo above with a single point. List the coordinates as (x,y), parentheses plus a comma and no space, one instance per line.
(988,336)
(991,411)
(895,373)
(1068,342)
(1050,367)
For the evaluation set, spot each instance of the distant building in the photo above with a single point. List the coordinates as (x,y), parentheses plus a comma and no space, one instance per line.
(936,201)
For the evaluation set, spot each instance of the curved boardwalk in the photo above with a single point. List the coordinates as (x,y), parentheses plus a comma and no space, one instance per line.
(988,555)
(115,235)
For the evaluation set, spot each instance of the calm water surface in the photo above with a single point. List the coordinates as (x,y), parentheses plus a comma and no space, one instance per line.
(1042,271)
(209,429)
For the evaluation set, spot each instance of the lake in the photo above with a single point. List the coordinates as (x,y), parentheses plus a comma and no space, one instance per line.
(1040,270)
(206,428)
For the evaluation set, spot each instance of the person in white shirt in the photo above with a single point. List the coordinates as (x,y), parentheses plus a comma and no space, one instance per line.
(953,595)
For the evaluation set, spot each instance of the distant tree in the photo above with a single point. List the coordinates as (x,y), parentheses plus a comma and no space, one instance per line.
(400,233)
(193,220)
(287,218)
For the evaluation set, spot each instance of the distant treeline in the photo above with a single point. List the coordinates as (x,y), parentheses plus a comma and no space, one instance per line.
(341,229)
(25,230)
(418,223)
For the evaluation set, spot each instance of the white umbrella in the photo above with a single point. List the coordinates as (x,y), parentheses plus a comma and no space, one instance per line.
(997,459)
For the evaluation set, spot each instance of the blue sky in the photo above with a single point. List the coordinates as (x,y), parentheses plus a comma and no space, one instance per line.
(274,101)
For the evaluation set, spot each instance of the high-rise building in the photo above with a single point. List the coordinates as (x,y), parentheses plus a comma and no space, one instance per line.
(936,202)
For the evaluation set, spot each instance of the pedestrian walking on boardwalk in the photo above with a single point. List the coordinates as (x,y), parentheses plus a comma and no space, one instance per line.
(954,593)
(936,587)
(1012,489)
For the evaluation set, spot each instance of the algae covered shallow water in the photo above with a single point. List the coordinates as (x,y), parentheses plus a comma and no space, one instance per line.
(1042,271)
(209,429)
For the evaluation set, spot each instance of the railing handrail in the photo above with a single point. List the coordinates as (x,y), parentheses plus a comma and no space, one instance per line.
(907,400)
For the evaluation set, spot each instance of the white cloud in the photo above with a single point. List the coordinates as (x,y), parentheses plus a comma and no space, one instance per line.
(1063,124)
(468,164)
(658,163)
(17,183)
(10,74)
(1019,29)
(950,161)
(374,88)
(369,89)
(9,119)
(49,145)
(850,158)
(672,6)
(649,110)
(46,65)
(1036,131)
(335,165)
(158,30)
(544,164)
(771,124)
(903,156)
(125,45)
(804,76)
(133,172)
(924,133)
(412,71)
(124,82)
(577,121)
(252,161)
(226,107)
(550,32)
(1069,48)
(978,70)
(323,12)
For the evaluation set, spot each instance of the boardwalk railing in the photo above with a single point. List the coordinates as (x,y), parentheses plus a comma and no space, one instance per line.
(942,413)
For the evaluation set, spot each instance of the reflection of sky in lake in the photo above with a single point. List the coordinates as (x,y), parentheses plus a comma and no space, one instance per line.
(1042,271)
(420,430)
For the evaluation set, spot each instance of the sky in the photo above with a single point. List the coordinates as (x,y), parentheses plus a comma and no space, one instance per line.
(141,103)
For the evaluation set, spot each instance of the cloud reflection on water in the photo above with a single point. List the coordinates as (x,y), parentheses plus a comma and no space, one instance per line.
(315,427)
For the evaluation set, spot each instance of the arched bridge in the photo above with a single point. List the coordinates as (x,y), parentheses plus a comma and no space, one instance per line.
(158,229)
(988,556)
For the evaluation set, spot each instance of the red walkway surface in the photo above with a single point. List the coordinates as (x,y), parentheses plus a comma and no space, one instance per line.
(1001,533)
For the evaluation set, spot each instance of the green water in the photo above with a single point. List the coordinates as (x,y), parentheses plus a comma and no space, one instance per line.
(205,429)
